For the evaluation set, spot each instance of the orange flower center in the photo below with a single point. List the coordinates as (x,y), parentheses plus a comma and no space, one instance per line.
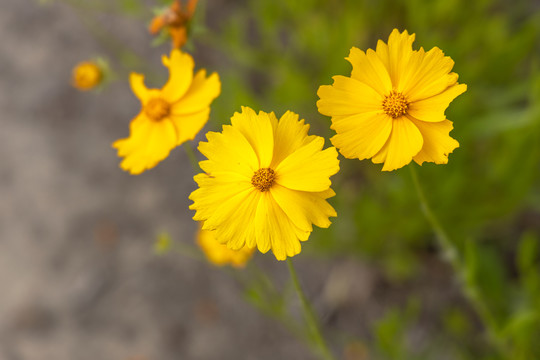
(395,104)
(263,179)
(157,108)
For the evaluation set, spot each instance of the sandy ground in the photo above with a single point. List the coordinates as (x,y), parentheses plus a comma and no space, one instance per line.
(78,276)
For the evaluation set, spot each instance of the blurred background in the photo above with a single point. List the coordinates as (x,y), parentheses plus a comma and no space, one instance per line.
(80,276)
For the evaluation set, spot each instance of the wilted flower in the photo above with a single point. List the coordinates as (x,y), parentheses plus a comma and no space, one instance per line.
(176,21)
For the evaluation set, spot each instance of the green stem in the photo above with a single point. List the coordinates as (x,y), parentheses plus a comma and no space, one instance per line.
(309,315)
(189,251)
(448,248)
(192,158)
(450,253)
(270,300)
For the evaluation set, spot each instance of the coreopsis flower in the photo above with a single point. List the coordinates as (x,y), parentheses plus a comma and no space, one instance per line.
(86,75)
(392,107)
(170,115)
(265,184)
(219,254)
(176,21)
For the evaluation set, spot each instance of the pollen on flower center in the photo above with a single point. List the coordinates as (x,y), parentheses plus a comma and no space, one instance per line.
(157,108)
(263,179)
(395,104)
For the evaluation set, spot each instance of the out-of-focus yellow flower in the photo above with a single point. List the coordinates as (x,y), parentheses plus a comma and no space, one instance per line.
(176,20)
(86,75)
(219,254)
(170,115)
(392,107)
(265,183)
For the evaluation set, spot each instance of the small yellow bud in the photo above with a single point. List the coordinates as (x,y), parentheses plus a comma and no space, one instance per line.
(87,75)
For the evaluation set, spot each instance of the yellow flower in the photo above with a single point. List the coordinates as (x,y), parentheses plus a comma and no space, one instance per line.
(219,254)
(265,183)
(169,116)
(86,75)
(392,107)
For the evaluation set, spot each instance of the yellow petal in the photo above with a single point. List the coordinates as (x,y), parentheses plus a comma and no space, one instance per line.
(274,229)
(262,236)
(139,89)
(189,125)
(432,109)
(148,144)
(180,75)
(228,151)
(233,218)
(139,127)
(437,141)
(289,135)
(395,56)
(308,168)
(214,191)
(347,97)
(428,74)
(369,69)
(199,95)
(304,208)
(258,131)
(405,142)
(361,136)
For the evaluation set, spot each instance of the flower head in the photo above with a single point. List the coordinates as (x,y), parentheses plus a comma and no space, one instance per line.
(176,20)
(219,254)
(86,75)
(265,184)
(392,107)
(170,115)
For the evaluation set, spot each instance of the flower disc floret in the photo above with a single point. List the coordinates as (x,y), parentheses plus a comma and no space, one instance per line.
(157,109)
(395,104)
(263,179)
(265,184)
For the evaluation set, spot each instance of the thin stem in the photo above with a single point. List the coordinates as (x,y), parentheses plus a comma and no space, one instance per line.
(192,158)
(189,251)
(312,323)
(451,255)
(270,301)
(448,248)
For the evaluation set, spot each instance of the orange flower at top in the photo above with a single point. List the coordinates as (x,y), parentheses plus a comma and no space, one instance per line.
(176,20)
